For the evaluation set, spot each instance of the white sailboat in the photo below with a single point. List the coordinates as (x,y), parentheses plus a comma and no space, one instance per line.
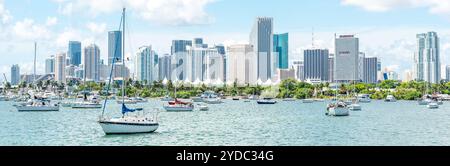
(127,124)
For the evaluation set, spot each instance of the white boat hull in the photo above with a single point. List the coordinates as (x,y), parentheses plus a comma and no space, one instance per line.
(127,128)
(37,109)
(355,107)
(88,106)
(178,109)
(338,112)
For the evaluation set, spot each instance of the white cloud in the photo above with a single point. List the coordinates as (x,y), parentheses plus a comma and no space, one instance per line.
(5,15)
(434,6)
(27,29)
(168,12)
(51,21)
(96,28)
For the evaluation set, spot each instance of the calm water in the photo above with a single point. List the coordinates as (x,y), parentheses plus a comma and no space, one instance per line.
(239,123)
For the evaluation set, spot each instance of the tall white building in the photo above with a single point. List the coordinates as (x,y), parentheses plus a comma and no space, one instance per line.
(447,72)
(165,67)
(92,63)
(60,68)
(146,65)
(197,63)
(261,38)
(241,64)
(15,75)
(427,66)
(299,68)
(50,65)
(347,59)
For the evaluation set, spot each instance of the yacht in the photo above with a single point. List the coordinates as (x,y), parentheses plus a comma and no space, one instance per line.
(132,121)
(390,98)
(203,107)
(37,105)
(337,109)
(86,105)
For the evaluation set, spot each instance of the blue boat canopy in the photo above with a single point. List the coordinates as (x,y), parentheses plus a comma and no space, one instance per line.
(125,109)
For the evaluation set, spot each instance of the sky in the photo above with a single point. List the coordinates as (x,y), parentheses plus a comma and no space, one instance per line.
(386,28)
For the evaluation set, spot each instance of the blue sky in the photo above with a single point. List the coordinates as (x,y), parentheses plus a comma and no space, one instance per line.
(386,28)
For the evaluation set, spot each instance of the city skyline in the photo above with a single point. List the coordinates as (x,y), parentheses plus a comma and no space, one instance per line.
(58,25)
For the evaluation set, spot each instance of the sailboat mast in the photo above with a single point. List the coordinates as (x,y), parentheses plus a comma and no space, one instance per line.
(123,56)
(34,66)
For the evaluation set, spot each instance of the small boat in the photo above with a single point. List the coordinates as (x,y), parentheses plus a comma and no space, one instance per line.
(266,101)
(126,101)
(424,101)
(289,99)
(433,105)
(38,105)
(179,106)
(355,107)
(203,107)
(364,98)
(213,100)
(86,105)
(236,98)
(337,109)
(308,100)
(390,98)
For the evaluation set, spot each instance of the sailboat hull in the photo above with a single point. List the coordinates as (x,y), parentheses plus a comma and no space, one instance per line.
(338,112)
(128,128)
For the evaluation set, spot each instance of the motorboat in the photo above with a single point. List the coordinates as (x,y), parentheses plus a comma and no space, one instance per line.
(337,109)
(355,107)
(433,105)
(216,100)
(390,98)
(253,97)
(364,98)
(203,107)
(236,98)
(179,106)
(266,101)
(37,105)
(424,101)
(86,105)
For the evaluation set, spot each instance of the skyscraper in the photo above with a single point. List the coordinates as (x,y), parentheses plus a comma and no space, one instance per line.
(281,47)
(197,63)
(331,68)
(261,38)
(427,65)
(74,53)
(50,65)
(370,70)
(241,68)
(165,68)
(299,68)
(114,46)
(92,63)
(447,72)
(15,75)
(346,60)
(180,46)
(316,64)
(60,68)
(146,66)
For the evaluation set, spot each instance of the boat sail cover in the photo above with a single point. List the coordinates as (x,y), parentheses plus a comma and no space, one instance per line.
(125,109)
